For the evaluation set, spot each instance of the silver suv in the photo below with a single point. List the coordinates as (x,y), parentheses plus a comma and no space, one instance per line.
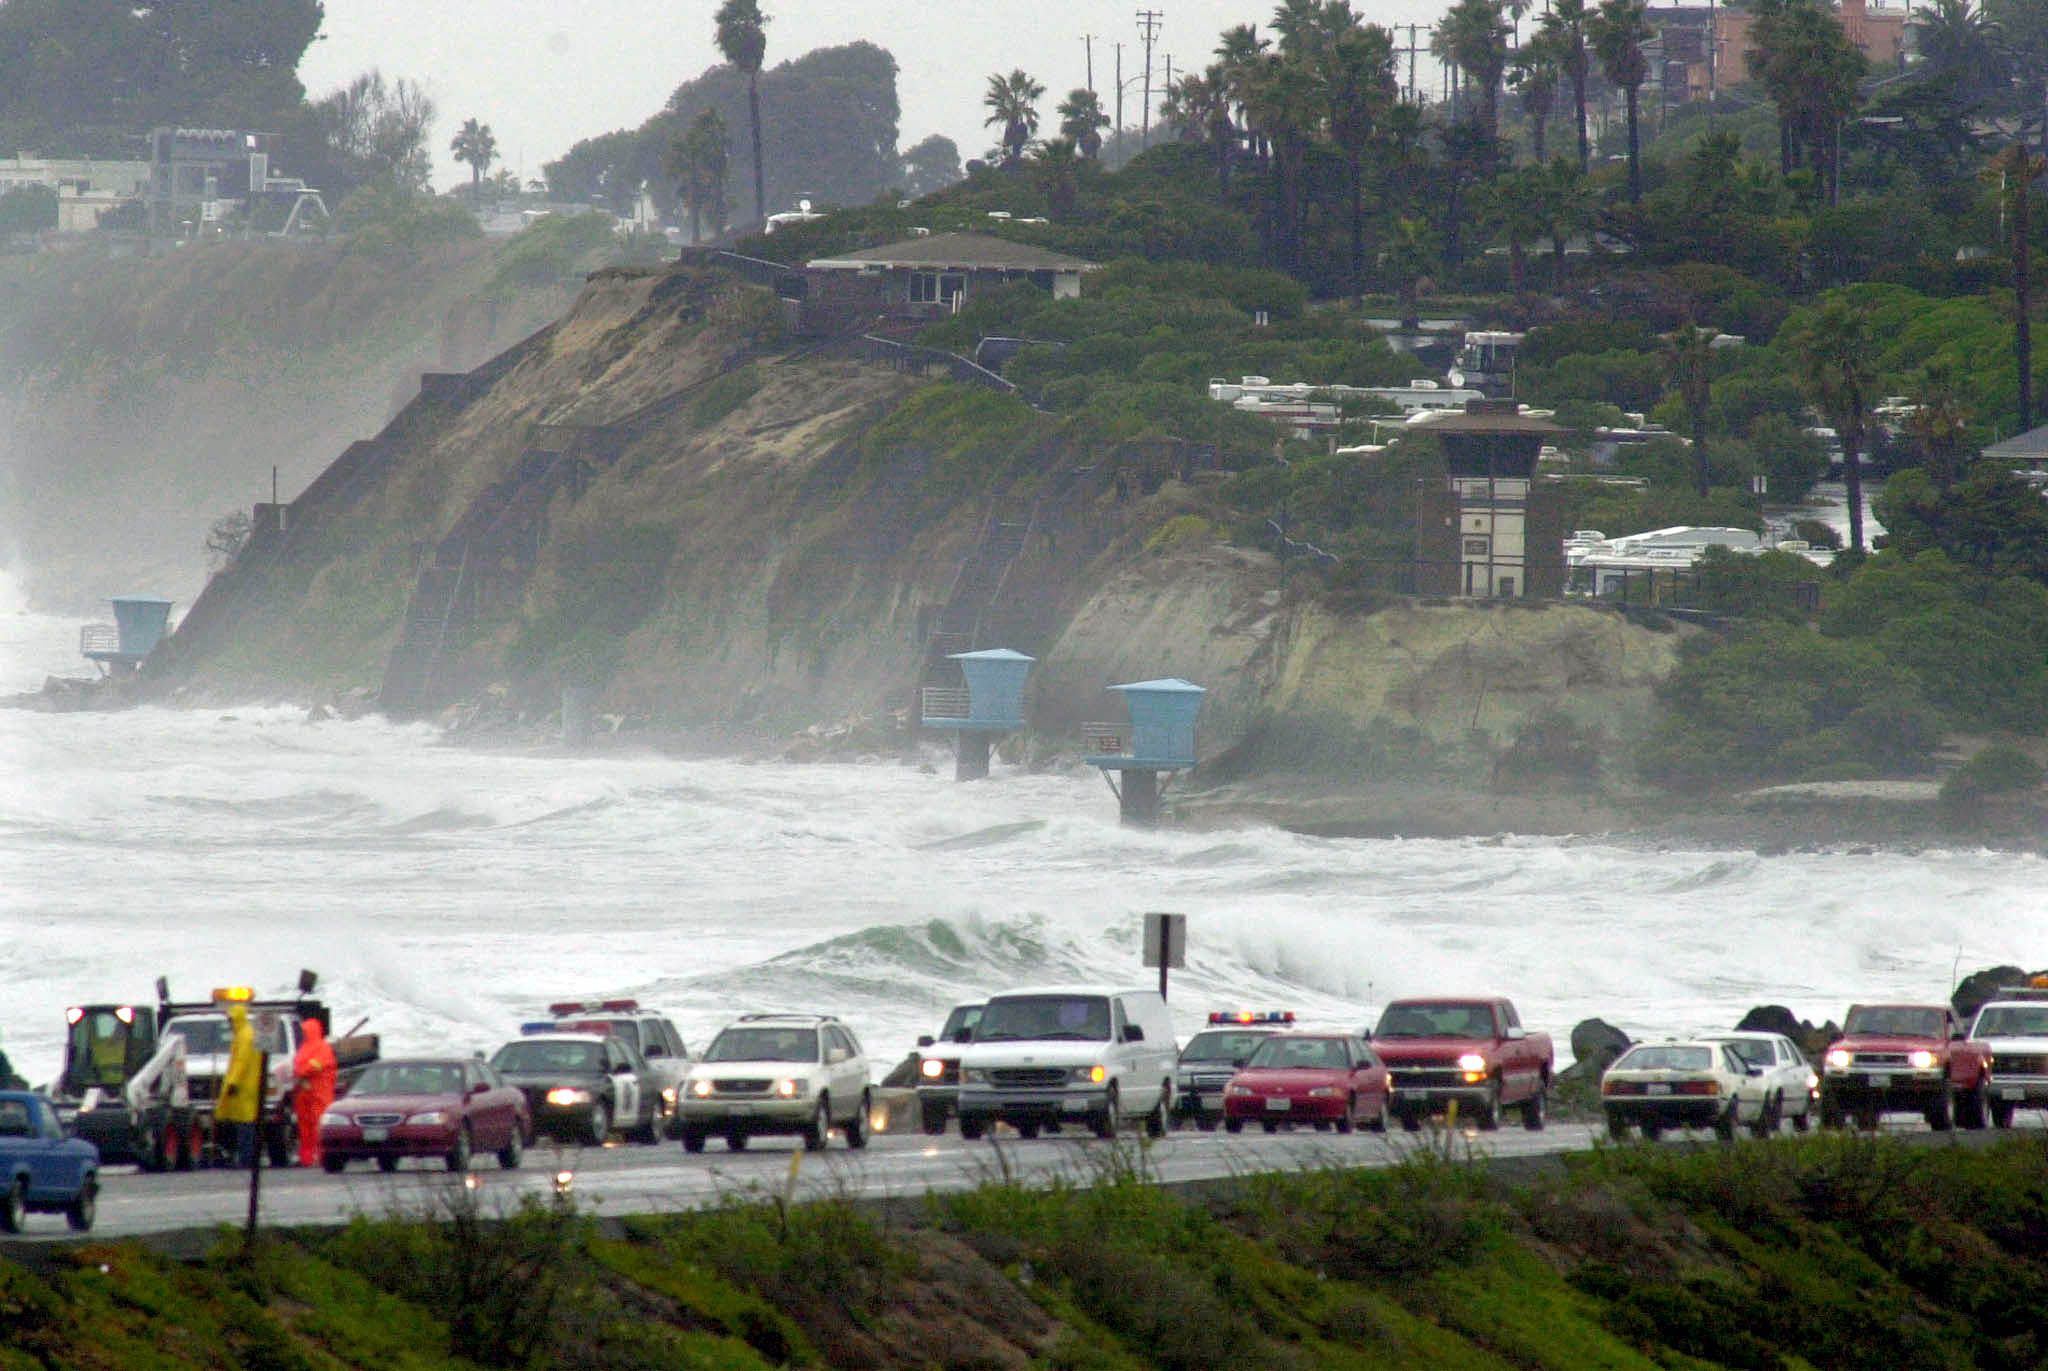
(799,1074)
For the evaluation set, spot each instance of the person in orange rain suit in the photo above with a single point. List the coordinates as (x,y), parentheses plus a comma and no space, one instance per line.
(314,1069)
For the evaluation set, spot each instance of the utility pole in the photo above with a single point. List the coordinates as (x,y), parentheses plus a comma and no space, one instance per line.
(1088,44)
(1148,29)
(1414,96)
(1119,89)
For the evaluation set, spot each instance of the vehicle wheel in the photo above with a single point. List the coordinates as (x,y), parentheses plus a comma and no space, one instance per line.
(1487,1116)
(971,1129)
(333,1165)
(1832,1115)
(1724,1125)
(1321,1125)
(1766,1121)
(2001,1113)
(1941,1115)
(1651,1131)
(1027,1131)
(459,1155)
(857,1126)
(597,1127)
(282,1140)
(735,1142)
(149,1150)
(513,1152)
(1617,1127)
(1973,1107)
(1803,1120)
(1536,1109)
(693,1140)
(1105,1123)
(819,1131)
(1348,1120)
(933,1118)
(80,1213)
(1270,1126)
(387,1164)
(14,1208)
(1379,1120)
(1233,1125)
(193,1150)
(1155,1122)
(1411,1122)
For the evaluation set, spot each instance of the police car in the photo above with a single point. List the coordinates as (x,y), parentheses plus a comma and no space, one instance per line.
(581,1086)
(647,1032)
(1214,1055)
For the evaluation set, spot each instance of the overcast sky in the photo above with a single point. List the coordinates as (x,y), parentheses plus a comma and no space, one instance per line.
(545,73)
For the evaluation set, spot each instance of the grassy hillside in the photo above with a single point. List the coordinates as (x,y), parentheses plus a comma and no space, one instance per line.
(1828,1252)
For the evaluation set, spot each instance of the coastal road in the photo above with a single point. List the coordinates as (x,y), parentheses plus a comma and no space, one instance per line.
(634,1179)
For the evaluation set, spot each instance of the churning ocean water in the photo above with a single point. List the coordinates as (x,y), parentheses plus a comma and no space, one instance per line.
(446,893)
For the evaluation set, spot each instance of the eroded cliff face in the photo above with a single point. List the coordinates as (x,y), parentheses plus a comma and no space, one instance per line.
(761,536)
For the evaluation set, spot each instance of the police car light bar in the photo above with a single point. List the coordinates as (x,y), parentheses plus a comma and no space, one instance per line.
(1247,1016)
(593,1007)
(540,1026)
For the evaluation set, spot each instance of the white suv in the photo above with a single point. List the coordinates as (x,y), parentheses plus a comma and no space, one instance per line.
(1097,1054)
(777,1073)
(2016,1032)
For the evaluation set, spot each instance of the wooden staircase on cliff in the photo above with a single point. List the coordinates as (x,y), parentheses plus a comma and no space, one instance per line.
(976,593)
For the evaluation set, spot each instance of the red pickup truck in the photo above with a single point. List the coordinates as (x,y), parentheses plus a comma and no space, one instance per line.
(1894,1057)
(1473,1052)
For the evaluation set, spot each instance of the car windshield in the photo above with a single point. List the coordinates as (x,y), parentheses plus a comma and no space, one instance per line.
(204,1035)
(1300,1054)
(546,1057)
(1752,1051)
(964,1019)
(1666,1059)
(2013,1021)
(1222,1046)
(1895,1021)
(101,1043)
(1436,1021)
(409,1078)
(15,1121)
(764,1045)
(1045,1018)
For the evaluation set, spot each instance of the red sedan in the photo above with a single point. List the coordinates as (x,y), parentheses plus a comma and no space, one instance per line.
(1314,1078)
(447,1109)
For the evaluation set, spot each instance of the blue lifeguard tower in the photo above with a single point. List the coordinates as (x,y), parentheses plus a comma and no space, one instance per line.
(992,702)
(139,624)
(1160,738)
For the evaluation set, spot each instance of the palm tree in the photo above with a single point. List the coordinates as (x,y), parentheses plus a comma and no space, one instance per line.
(700,162)
(1940,422)
(1287,105)
(1409,257)
(1568,204)
(1473,36)
(1239,54)
(1956,37)
(2015,171)
(1689,354)
(1811,71)
(1537,69)
(1362,89)
(1199,106)
(1082,122)
(1566,26)
(742,35)
(475,144)
(1012,103)
(1299,23)
(1057,170)
(1836,356)
(1518,208)
(1618,30)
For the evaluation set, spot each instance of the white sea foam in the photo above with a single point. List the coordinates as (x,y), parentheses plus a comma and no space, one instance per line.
(448,893)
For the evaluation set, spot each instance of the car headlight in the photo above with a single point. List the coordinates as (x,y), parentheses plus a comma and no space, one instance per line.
(1922,1060)
(668,1096)
(1471,1061)
(790,1088)
(432,1116)
(1088,1075)
(567,1095)
(701,1089)
(931,1068)
(973,1075)
(1241,1091)
(1324,1092)
(1838,1059)
(333,1120)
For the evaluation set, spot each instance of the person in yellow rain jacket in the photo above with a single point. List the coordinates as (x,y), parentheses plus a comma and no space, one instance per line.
(241,1088)
(314,1070)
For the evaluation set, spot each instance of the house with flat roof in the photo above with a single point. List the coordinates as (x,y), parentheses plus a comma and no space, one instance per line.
(937,273)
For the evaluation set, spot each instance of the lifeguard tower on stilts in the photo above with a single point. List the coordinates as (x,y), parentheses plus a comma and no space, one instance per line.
(1158,742)
(139,624)
(991,704)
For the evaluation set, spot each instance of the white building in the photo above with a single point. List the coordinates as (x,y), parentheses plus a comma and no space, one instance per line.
(1309,409)
(1597,564)
(86,187)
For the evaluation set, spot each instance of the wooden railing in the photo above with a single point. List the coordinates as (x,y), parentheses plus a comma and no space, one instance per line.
(944,702)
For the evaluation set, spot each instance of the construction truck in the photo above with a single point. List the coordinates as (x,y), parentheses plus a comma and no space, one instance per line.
(140,1081)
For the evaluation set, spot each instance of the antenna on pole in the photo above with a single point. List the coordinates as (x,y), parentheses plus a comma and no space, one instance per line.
(1148,29)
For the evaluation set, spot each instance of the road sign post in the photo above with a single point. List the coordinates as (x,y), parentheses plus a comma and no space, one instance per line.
(1166,944)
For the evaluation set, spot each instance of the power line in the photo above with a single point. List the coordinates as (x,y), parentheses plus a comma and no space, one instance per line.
(1148,29)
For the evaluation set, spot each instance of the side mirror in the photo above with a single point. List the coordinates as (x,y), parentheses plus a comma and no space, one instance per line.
(1133,1033)
(478,1089)
(1238,1063)
(623,1069)
(1755,1071)
(1515,1035)
(965,1035)
(924,1040)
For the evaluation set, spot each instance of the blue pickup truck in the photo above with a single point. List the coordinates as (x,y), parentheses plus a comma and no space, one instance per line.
(42,1170)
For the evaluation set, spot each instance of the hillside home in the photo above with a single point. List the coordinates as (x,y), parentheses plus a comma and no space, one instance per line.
(1488,528)
(936,274)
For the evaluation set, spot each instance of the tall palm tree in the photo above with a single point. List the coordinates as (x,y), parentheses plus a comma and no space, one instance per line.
(1362,88)
(1517,206)
(1690,356)
(701,163)
(742,35)
(1409,257)
(1568,204)
(2015,171)
(1956,37)
(1239,54)
(1835,353)
(476,145)
(1057,170)
(1082,121)
(1566,25)
(1618,30)
(1940,422)
(1012,104)
(1537,68)
(1811,71)
(1287,104)
(1473,36)
(1299,24)
(1198,105)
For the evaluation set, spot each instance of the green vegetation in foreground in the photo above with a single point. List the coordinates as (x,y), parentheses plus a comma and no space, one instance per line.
(1834,1251)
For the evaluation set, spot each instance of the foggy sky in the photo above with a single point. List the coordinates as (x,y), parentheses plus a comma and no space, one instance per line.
(545,73)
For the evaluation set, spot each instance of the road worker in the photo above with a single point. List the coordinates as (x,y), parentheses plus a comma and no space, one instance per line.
(313,1070)
(241,1088)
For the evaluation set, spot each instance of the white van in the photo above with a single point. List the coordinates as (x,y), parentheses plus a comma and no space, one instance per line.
(1093,1054)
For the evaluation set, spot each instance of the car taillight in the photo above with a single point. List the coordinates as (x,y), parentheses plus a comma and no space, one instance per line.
(1621,1087)
(1696,1088)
